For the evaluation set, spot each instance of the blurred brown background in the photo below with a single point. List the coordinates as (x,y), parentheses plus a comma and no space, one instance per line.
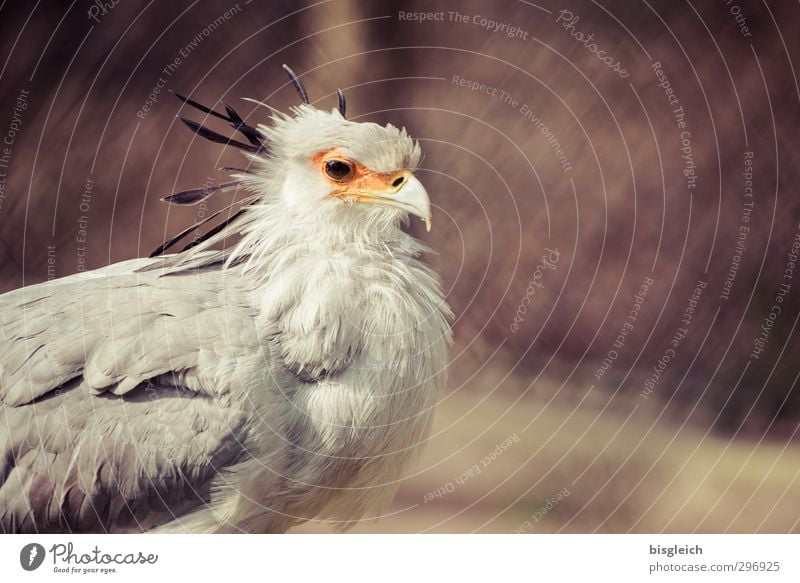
(569,409)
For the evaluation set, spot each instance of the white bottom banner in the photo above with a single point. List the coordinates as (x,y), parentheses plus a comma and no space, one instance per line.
(353,558)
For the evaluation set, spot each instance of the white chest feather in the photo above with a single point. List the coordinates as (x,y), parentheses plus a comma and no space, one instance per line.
(367,332)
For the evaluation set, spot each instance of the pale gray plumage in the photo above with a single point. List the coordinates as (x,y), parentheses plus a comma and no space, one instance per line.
(289,377)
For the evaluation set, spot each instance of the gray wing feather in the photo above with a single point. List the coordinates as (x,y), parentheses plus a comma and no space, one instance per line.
(94,434)
(82,463)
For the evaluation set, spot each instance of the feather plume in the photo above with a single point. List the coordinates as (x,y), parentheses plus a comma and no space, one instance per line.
(184,233)
(342,103)
(196,195)
(295,80)
(218,138)
(215,230)
(233,118)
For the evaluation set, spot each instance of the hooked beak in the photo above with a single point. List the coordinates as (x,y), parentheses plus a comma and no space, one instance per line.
(410,196)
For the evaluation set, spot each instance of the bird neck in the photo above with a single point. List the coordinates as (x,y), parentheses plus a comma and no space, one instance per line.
(277,237)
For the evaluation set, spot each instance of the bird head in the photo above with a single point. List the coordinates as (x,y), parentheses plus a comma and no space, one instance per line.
(331,167)
(308,169)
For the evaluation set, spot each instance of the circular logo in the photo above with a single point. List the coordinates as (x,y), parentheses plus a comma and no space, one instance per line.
(31,556)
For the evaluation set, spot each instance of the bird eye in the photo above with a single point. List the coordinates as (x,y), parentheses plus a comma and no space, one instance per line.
(338,169)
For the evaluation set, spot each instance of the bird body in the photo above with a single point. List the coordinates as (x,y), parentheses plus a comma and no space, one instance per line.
(291,376)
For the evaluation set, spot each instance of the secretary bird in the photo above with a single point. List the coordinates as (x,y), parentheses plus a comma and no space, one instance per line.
(288,376)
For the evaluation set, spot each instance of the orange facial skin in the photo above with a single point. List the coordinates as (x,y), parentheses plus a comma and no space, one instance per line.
(361,182)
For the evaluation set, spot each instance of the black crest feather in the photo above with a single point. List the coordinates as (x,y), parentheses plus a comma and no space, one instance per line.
(252,134)
(301,90)
(215,230)
(184,233)
(218,138)
(196,195)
